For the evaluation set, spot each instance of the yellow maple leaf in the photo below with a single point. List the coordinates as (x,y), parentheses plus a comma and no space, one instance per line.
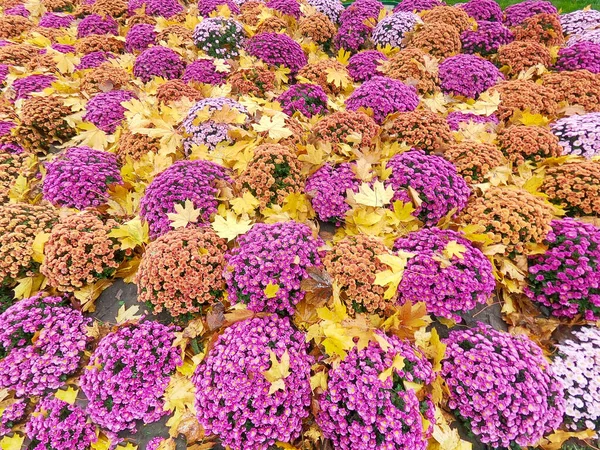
(91,136)
(221,65)
(65,62)
(102,443)
(529,119)
(275,126)
(393,276)
(247,204)
(19,190)
(28,286)
(68,395)
(377,196)
(403,211)
(90,292)
(278,371)
(38,246)
(436,103)
(397,364)
(127,446)
(271,290)
(319,380)
(453,248)
(343,56)
(183,215)
(128,315)
(14,442)
(131,234)
(555,440)
(231,226)
(486,104)
(339,78)
(448,438)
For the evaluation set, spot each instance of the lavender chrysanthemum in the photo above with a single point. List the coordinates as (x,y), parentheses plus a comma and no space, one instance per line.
(467,75)
(501,387)
(448,286)
(185,180)
(105,110)
(392,29)
(234,399)
(80,177)
(579,135)
(219,37)
(436,181)
(331,8)
(384,96)
(592,35)
(271,254)
(577,22)
(158,62)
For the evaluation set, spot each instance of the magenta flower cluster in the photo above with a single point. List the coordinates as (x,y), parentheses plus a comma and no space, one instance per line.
(447,285)
(203,70)
(486,40)
(57,425)
(467,75)
(277,50)
(53,20)
(94,59)
(417,5)
(105,110)
(331,8)
(364,65)
(392,29)
(566,278)
(209,133)
(206,7)
(184,180)
(577,22)
(18,10)
(96,24)
(483,10)
(219,37)
(308,99)
(327,189)
(158,62)
(162,8)
(271,254)
(13,413)
(80,177)
(582,55)
(501,387)
(435,180)
(32,83)
(232,394)
(35,368)
(287,7)
(579,135)
(455,118)
(353,32)
(577,367)
(517,13)
(359,411)
(384,96)
(140,37)
(128,374)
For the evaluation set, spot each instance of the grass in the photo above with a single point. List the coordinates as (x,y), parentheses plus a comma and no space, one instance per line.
(564,6)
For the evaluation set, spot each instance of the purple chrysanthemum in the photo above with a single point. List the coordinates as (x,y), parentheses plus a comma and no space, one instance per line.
(35,368)
(501,386)
(277,50)
(32,83)
(161,8)
(105,110)
(392,29)
(203,70)
(64,48)
(308,99)
(384,96)
(487,10)
(455,118)
(363,410)
(18,10)
(3,73)
(96,24)
(219,37)
(12,413)
(93,60)
(468,75)
(579,135)
(354,32)
(140,37)
(271,254)
(54,20)
(327,190)
(206,7)
(58,425)
(436,181)
(582,55)
(417,5)
(185,180)
(331,8)
(447,285)
(130,372)
(288,7)
(488,37)
(566,278)
(364,65)
(517,13)
(80,177)
(158,62)
(235,401)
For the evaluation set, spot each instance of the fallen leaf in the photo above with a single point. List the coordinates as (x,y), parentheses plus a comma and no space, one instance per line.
(453,248)
(397,364)
(68,395)
(393,276)
(128,315)
(278,371)
(275,126)
(378,195)
(183,215)
(231,226)
(271,290)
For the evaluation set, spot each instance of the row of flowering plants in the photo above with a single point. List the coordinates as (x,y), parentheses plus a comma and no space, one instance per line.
(346,227)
